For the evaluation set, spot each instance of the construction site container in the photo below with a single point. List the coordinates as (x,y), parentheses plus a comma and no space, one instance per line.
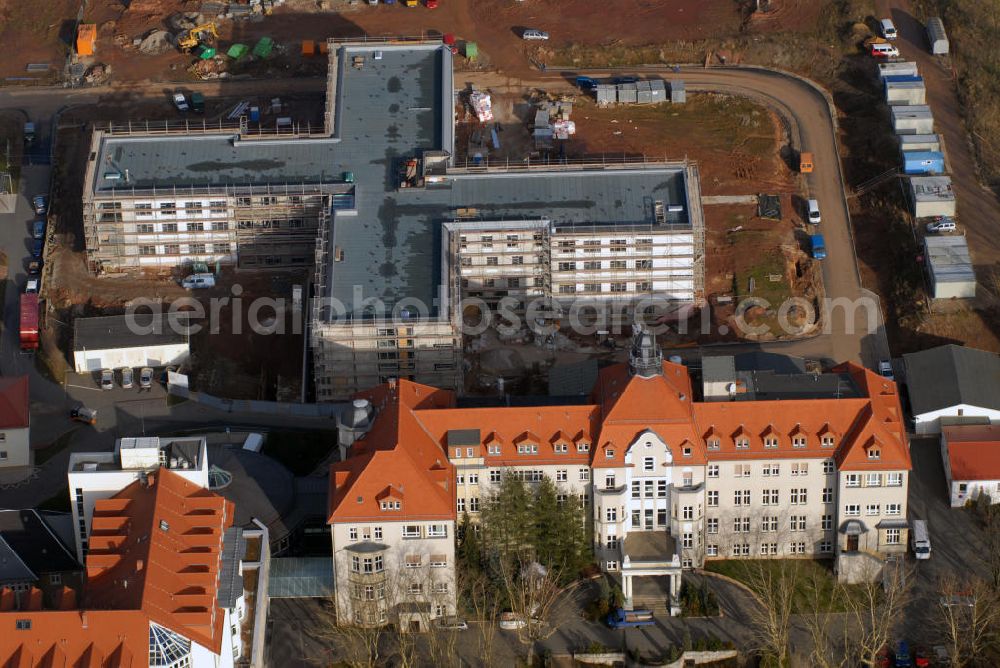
(308,48)
(923,162)
(606,94)
(932,196)
(949,267)
(86,39)
(937,37)
(678,94)
(893,69)
(237,51)
(643,93)
(912,119)
(919,142)
(627,93)
(471,50)
(206,52)
(658,91)
(908,92)
(263,47)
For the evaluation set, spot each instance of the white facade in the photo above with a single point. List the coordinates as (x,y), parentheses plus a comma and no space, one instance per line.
(930,423)
(401,572)
(100,475)
(15,447)
(85,361)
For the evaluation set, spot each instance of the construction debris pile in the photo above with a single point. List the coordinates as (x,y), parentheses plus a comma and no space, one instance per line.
(241,10)
(482,105)
(552,121)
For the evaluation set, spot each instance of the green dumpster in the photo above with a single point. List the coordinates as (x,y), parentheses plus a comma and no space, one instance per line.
(237,51)
(206,52)
(471,50)
(263,47)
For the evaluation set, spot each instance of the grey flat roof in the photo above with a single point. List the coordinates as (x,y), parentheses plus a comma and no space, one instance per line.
(949,259)
(391,248)
(301,577)
(119,331)
(952,375)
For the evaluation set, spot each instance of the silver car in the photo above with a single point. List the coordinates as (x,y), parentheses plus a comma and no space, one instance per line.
(107,379)
(534,34)
(126,377)
(146,377)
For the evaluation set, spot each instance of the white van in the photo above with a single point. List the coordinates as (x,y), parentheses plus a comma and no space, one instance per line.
(884,50)
(920,540)
(195,281)
(813,207)
(888,29)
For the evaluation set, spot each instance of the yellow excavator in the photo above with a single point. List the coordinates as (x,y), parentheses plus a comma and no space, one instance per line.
(206,33)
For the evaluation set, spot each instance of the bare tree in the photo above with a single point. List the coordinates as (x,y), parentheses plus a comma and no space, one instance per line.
(537,599)
(990,514)
(969,616)
(487,608)
(827,625)
(358,640)
(875,608)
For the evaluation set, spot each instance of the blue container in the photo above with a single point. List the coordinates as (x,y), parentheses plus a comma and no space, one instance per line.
(902,78)
(923,162)
(254,114)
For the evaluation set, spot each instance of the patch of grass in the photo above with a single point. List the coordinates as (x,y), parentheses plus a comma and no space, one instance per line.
(45,454)
(813,571)
(300,451)
(59,502)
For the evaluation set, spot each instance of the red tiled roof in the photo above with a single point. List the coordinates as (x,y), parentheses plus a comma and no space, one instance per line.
(407,446)
(155,550)
(973,451)
(14,402)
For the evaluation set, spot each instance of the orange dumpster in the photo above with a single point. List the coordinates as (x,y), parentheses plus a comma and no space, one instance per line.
(308,47)
(323,48)
(86,39)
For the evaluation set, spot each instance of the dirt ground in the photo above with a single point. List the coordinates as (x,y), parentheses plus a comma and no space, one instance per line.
(35,32)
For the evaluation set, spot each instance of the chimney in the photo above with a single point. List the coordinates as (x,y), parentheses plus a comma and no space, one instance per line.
(150,479)
(83,618)
(139,563)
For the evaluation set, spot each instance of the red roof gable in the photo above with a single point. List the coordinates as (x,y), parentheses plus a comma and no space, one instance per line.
(973,451)
(14,402)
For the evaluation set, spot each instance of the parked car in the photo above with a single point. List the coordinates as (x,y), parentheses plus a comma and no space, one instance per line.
(511,621)
(31,286)
(622,619)
(195,281)
(38,229)
(903,659)
(180,102)
(41,204)
(818,246)
(452,623)
(37,246)
(624,80)
(531,34)
(432,4)
(83,414)
(884,50)
(813,211)
(888,29)
(107,379)
(126,377)
(943,224)
(885,369)
(146,377)
(34,268)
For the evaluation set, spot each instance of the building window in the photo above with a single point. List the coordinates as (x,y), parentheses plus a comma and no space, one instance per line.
(687,541)
(741,497)
(391,505)
(352,533)
(741,525)
(742,443)
(583,447)
(826,546)
(852,509)
(771,470)
(893,508)
(611,565)
(770,497)
(611,542)
(460,505)
(609,481)
(474,504)
(828,466)
(415,588)
(769,524)
(741,471)
(437,531)
(768,548)
(611,514)
(711,550)
(55,578)
(712,525)
(144,228)
(797,547)
(797,523)
(713,499)
(560,448)
(496,475)
(713,444)
(894,479)
(561,475)
(713,470)
(411,531)
(494,449)
(872,509)
(892,536)
(618,287)
(800,468)
(798,441)
(147,250)
(414,561)
(636,489)
(771,442)
(609,453)
(584,475)
(874,453)
(827,495)
(873,480)
(648,464)
(661,488)
(827,523)
(852,480)
(687,513)
(798,496)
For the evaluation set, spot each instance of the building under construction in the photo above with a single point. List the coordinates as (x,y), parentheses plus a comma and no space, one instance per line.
(400,237)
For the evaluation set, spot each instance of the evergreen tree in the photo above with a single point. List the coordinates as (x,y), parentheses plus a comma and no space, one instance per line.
(506,518)
(468,554)
(548,526)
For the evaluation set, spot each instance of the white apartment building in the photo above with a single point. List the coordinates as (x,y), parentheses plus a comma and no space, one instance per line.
(669,482)
(100,475)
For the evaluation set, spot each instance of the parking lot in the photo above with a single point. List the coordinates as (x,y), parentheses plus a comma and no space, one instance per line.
(119,408)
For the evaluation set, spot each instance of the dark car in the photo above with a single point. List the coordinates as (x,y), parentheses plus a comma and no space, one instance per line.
(903,659)
(41,204)
(625,80)
(37,246)
(34,268)
(38,229)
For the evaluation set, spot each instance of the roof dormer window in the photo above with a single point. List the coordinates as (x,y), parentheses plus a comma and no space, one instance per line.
(875,453)
(742,443)
(770,441)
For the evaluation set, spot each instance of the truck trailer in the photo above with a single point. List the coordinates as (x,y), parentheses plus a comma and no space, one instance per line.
(29,321)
